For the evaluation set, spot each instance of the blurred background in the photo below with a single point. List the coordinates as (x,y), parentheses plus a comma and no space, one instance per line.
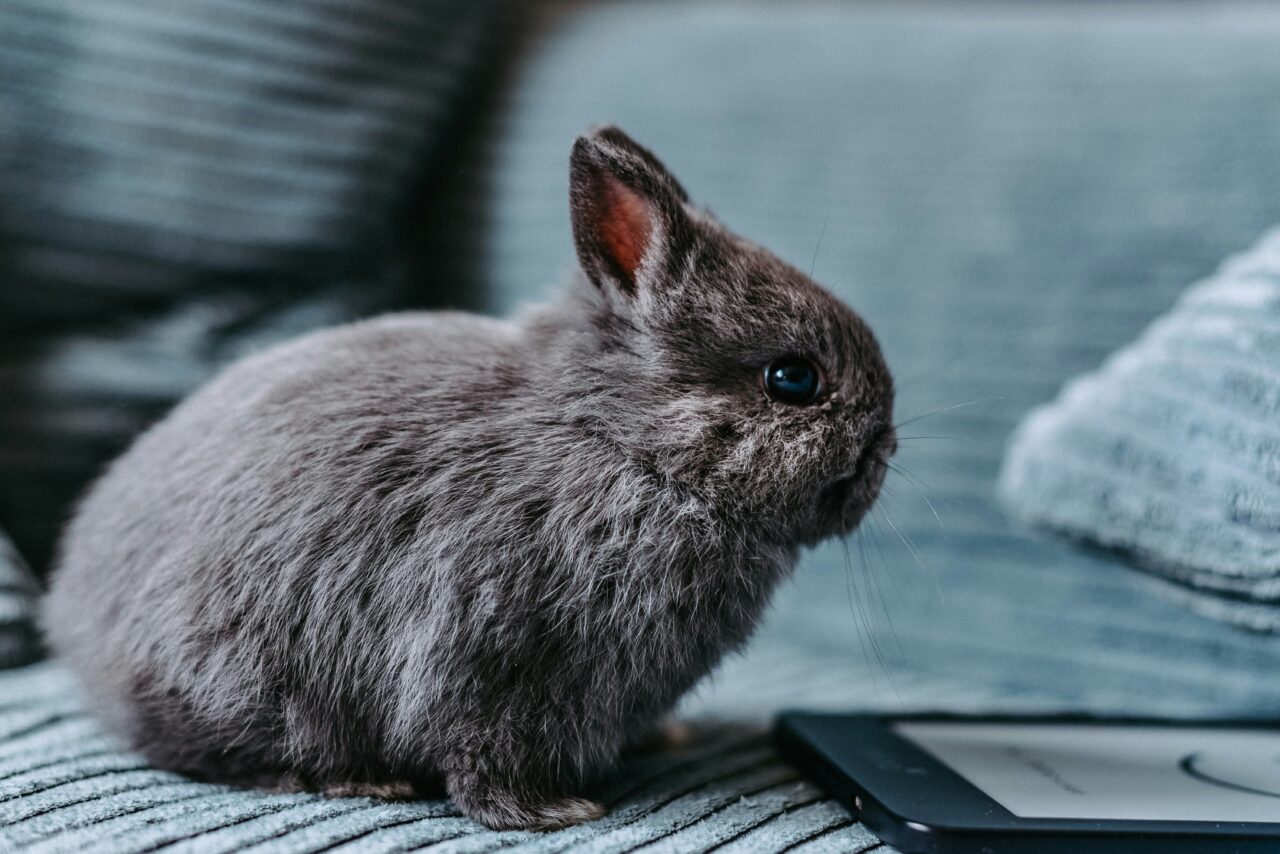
(1006,191)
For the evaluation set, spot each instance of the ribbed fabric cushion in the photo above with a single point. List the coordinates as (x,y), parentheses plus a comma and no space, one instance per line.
(66,787)
(1170,452)
(183,181)
(18,643)
(219,135)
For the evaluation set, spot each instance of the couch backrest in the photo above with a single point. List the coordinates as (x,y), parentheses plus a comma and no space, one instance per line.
(181,182)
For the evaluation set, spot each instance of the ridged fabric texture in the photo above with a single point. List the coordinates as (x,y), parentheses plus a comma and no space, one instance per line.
(1170,452)
(18,643)
(183,182)
(67,787)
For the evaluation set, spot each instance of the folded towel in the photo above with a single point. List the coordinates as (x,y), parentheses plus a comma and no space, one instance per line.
(1170,452)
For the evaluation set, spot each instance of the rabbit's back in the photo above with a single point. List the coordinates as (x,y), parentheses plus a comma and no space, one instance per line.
(243,541)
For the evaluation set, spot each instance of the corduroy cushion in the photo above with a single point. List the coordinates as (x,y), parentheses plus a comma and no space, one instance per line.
(18,644)
(1170,452)
(180,182)
(65,786)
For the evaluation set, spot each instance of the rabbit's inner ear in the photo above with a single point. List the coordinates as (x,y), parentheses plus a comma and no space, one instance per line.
(614,225)
(624,229)
(628,220)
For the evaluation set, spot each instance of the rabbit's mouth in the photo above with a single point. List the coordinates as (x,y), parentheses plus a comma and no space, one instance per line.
(835,495)
(843,501)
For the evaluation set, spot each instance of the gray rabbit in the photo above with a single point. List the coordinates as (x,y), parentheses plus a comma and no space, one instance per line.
(439,550)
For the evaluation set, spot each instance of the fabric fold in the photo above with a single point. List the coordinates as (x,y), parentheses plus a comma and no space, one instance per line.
(1169,453)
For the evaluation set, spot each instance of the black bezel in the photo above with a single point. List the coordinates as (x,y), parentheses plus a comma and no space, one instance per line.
(917,804)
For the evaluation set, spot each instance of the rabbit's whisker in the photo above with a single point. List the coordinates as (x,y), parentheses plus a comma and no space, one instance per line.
(943,409)
(856,612)
(921,487)
(814,263)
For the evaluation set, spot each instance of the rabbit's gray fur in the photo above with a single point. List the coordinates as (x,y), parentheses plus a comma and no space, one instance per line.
(439,548)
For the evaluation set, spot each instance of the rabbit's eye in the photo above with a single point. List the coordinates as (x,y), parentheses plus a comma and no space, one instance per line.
(793,379)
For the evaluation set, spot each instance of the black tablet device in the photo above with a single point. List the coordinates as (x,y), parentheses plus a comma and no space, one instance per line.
(1046,785)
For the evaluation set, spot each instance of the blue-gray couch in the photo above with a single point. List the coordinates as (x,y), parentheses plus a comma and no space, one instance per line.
(1008,193)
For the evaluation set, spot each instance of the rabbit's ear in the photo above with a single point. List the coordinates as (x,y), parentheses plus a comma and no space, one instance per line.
(629,222)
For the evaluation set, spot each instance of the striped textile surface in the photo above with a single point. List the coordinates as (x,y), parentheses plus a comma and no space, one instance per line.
(65,787)
(18,644)
(183,181)
(221,134)
(1170,453)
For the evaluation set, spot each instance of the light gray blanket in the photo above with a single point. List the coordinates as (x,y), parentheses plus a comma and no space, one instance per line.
(1170,452)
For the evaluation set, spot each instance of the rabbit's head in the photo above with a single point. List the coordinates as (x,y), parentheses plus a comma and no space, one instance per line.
(729,372)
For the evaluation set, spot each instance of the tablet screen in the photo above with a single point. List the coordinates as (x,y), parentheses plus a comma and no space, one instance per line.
(1100,771)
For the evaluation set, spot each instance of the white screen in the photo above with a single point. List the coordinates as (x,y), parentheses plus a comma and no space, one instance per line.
(1112,772)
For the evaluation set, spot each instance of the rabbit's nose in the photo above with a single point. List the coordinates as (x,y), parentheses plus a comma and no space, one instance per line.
(882,445)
